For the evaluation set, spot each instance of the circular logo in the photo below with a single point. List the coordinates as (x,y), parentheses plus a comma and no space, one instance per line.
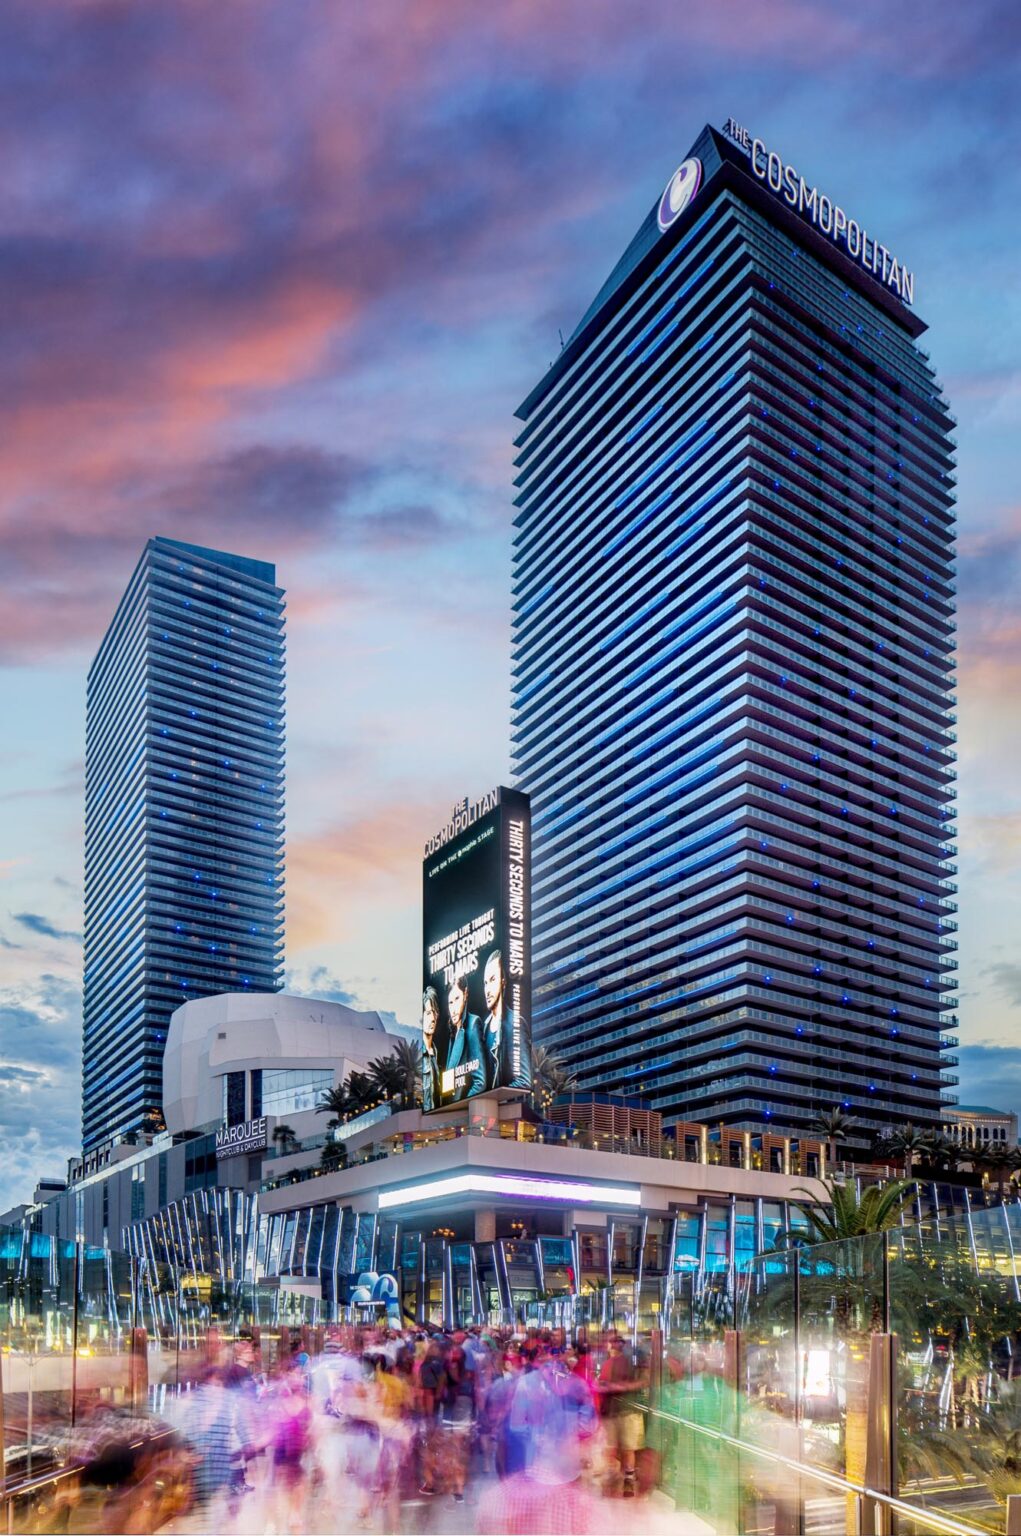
(680,189)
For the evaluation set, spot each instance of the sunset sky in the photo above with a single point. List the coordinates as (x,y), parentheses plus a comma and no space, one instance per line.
(274,277)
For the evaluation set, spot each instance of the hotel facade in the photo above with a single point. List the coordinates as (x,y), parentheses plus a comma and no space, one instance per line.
(733,653)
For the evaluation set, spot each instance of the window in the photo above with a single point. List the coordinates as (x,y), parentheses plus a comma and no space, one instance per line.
(234,1098)
(286,1091)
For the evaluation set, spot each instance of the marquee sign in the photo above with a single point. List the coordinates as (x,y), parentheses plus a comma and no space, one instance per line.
(238,1140)
(827,216)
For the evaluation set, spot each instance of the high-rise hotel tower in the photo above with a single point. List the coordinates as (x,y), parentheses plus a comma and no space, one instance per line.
(184,814)
(732,664)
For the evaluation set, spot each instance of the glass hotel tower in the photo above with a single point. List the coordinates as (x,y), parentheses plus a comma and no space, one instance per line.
(732,676)
(184,814)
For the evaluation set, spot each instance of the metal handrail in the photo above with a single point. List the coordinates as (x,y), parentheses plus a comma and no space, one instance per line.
(922,1516)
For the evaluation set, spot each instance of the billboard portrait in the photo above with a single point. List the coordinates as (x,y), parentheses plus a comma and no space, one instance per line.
(477,984)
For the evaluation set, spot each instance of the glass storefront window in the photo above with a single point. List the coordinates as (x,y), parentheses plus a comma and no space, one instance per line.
(286,1090)
(686,1242)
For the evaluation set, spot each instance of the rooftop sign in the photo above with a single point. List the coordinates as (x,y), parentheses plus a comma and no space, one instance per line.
(827,216)
(462,816)
(679,191)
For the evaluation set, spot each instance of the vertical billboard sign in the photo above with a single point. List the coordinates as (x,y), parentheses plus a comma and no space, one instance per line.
(477,980)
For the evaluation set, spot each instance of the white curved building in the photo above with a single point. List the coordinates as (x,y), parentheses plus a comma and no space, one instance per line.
(263,1053)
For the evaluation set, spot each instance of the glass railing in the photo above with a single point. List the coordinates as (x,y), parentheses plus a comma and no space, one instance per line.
(851,1386)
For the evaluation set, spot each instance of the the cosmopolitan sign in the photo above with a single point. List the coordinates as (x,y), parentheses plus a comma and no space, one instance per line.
(827,216)
(463,816)
(238,1140)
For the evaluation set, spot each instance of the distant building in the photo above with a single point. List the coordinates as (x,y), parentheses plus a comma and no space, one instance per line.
(184,816)
(975,1125)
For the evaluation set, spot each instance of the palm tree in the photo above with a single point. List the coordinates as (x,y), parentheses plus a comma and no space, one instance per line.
(833,1126)
(399,1075)
(878,1208)
(408,1055)
(286,1140)
(989,1157)
(943,1153)
(386,1076)
(1014,1163)
(333,1156)
(842,1279)
(908,1142)
(334,1102)
(361,1092)
(352,1097)
(550,1077)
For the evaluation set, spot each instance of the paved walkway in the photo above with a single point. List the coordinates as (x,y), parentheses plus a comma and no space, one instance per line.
(488,1506)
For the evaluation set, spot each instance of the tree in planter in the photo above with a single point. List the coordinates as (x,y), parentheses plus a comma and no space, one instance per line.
(550,1078)
(991,1159)
(333,1156)
(833,1126)
(837,1280)
(408,1056)
(399,1075)
(941,1153)
(335,1102)
(286,1140)
(908,1143)
(350,1098)
(849,1214)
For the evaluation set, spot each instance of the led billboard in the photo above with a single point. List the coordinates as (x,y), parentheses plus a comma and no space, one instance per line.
(477,984)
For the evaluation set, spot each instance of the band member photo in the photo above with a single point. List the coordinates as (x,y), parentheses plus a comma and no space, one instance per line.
(465,1073)
(498,1030)
(430,1052)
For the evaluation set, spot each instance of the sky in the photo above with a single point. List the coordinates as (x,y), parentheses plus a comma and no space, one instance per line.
(274,278)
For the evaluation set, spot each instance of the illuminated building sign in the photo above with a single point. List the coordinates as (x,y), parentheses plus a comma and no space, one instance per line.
(237,1140)
(679,191)
(570,1191)
(827,216)
(462,817)
(476,941)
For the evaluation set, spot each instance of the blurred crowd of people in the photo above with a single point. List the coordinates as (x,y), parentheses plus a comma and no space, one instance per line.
(478,1431)
(381,1430)
(393,1431)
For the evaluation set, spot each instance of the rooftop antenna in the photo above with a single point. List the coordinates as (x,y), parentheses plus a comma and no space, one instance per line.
(561,335)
